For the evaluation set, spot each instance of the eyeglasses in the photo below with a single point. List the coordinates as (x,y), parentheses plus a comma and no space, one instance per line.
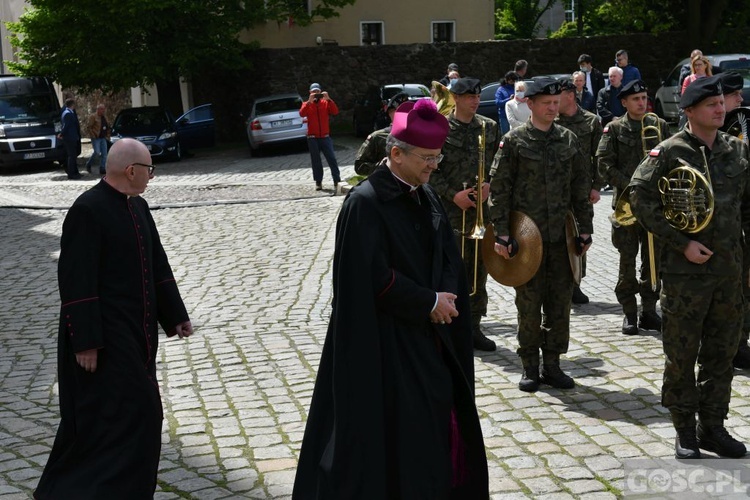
(150,168)
(430,160)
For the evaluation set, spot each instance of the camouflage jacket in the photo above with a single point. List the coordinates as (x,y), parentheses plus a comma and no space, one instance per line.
(730,178)
(543,175)
(372,151)
(621,150)
(586,127)
(461,161)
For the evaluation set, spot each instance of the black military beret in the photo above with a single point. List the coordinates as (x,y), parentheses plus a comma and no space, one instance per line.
(397,100)
(566,84)
(466,86)
(634,87)
(731,81)
(543,86)
(701,89)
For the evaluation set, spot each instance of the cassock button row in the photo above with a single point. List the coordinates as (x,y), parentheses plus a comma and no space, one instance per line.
(417,227)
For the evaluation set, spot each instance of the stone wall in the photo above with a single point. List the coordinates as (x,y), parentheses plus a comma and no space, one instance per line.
(346,72)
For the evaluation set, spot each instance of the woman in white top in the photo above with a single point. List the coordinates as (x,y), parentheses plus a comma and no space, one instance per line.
(516,109)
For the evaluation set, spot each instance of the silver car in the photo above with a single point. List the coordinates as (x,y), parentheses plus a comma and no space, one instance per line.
(275,119)
(668,96)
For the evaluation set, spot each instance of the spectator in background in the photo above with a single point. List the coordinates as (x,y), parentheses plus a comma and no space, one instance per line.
(699,68)
(453,76)
(520,68)
(516,109)
(594,77)
(584,98)
(318,109)
(685,70)
(445,80)
(70,135)
(629,72)
(608,105)
(504,94)
(98,130)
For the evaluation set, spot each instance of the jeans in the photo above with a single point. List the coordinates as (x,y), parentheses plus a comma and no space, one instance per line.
(324,144)
(100,149)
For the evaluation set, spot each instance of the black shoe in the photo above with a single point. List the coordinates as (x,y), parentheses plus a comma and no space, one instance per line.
(530,379)
(481,342)
(74,177)
(716,438)
(630,325)
(88,168)
(742,358)
(686,444)
(579,297)
(318,186)
(649,320)
(554,376)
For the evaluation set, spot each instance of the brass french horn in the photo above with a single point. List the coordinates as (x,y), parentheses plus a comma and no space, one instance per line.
(688,196)
(443,98)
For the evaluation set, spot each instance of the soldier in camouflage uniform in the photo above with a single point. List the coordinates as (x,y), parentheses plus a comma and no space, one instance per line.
(620,151)
(372,151)
(701,296)
(588,130)
(732,83)
(539,170)
(455,182)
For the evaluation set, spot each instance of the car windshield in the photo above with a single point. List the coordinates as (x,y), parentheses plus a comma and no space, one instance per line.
(24,108)
(278,105)
(142,120)
(742,63)
(389,92)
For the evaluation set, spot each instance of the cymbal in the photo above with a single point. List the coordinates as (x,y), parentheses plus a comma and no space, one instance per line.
(524,265)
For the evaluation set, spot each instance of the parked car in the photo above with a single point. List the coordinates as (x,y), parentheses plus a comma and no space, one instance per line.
(667,97)
(369,112)
(487,106)
(275,119)
(165,137)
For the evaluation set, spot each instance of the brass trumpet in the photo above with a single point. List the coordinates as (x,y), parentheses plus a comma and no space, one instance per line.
(443,98)
(477,232)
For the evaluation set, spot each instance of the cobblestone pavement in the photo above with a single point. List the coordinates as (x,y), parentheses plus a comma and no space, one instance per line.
(251,244)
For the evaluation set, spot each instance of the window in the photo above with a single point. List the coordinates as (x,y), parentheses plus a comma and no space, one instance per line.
(443,31)
(371,33)
(570,10)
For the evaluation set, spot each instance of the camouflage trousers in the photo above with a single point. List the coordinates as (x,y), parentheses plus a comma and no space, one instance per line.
(478,301)
(628,240)
(702,319)
(746,293)
(549,291)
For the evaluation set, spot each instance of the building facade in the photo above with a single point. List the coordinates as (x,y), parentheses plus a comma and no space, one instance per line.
(381,22)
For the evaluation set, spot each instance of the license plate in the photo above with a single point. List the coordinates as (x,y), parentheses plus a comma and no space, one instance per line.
(33,156)
(281,123)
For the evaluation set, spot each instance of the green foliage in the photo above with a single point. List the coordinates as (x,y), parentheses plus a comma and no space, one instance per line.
(117,45)
(519,18)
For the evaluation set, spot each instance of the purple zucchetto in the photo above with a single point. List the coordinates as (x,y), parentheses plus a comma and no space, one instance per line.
(419,124)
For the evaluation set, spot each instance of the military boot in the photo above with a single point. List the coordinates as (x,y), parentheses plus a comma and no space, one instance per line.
(630,324)
(686,444)
(553,375)
(579,297)
(716,438)
(479,340)
(649,320)
(530,378)
(742,358)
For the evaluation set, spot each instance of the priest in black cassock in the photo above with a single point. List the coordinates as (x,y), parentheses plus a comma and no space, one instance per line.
(393,413)
(115,285)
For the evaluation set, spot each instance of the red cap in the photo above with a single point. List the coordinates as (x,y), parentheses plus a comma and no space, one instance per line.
(419,124)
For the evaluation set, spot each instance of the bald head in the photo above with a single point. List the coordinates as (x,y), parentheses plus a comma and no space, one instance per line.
(123,153)
(127,166)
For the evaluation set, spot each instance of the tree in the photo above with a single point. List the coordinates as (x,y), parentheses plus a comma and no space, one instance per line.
(519,18)
(113,46)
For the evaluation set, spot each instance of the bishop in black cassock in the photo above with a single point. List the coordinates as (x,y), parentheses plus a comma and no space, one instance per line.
(393,413)
(116,286)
